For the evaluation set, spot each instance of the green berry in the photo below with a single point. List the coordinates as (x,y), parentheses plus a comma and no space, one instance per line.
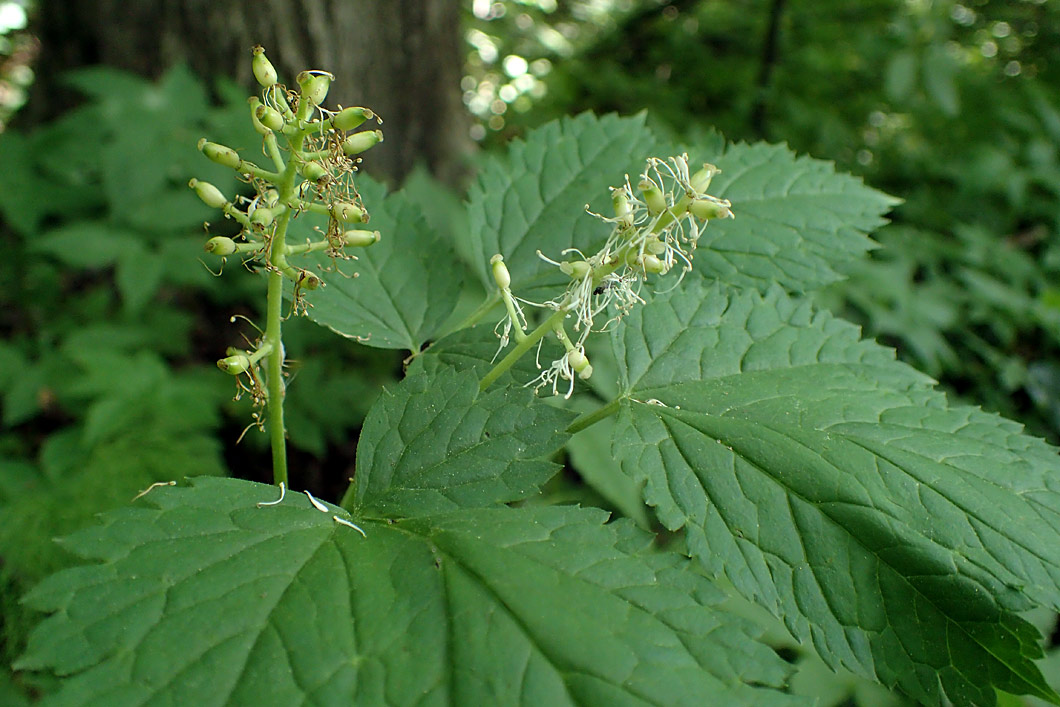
(235,364)
(262,216)
(623,211)
(314,86)
(308,280)
(255,103)
(701,179)
(210,195)
(359,142)
(269,117)
(577,270)
(653,197)
(220,245)
(500,272)
(345,212)
(263,69)
(313,171)
(655,246)
(707,209)
(580,363)
(224,156)
(360,239)
(350,118)
(649,263)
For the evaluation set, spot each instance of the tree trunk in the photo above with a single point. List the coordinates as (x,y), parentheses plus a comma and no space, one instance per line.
(401,58)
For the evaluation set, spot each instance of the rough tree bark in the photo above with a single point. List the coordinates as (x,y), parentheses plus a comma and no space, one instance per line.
(402,58)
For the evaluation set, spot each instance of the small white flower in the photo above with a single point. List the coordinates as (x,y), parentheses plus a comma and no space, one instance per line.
(655,228)
(560,369)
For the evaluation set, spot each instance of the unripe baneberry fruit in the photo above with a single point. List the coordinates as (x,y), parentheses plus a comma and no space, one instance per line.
(263,69)
(210,195)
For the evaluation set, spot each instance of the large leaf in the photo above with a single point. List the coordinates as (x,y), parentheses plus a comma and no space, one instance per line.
(436,444)
(838,488)
(796,221)
(535,197)
(205,599)
(400,290)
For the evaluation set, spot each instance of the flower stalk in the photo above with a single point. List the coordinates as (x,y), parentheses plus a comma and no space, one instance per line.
(306,144)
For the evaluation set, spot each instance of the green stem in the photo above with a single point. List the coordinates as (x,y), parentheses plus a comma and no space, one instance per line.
(274,368)
(513,314)
(273,149)
(591,418)
(314,156)
(249,247)
(274,361)
(256,171)
(274,327)
(522,347)
(259,353)
(240,217)
(561,334)
(307,247)
(671,214)
(312,207)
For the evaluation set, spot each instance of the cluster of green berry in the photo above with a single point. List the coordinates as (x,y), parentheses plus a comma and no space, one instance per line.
(314,155)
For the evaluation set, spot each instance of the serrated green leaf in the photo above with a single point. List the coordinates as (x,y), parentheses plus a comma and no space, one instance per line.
(435,443)
(206,599)
(797,222)
(405,286)
(534,198)
(80,481)
(838,488)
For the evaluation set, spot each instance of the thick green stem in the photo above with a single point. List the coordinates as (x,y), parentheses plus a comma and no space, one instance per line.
(591,418)
(274,361)
(520,348)
(274,329)
(307,247)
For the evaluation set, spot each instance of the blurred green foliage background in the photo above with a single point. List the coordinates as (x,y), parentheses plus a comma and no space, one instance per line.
(110,323)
